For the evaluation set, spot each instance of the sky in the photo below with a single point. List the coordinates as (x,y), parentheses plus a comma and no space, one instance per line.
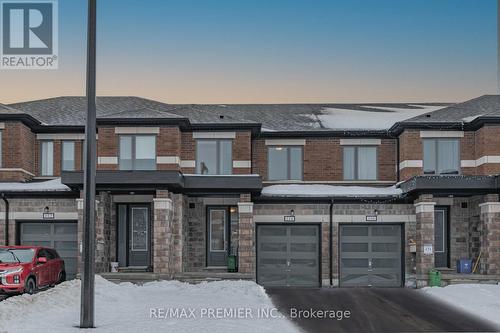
(273,51)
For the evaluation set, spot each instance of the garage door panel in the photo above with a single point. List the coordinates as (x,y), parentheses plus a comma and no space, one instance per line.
(370,255)
(61,236)
(288,255)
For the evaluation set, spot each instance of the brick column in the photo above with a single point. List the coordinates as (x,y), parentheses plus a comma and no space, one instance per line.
(246,248)
(490,237)
(424,210)
(162,233)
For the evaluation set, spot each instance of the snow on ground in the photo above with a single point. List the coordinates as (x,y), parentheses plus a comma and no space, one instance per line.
(375,120)
(482,300)
(293,190)
(127,308)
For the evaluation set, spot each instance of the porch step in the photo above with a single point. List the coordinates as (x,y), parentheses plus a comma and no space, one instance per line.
(189,277)
(456,278)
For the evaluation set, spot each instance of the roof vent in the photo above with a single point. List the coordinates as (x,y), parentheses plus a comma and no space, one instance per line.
(428,115)
(221,116)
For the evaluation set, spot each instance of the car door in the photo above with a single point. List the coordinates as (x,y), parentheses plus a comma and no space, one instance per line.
(51,265)
(42,272)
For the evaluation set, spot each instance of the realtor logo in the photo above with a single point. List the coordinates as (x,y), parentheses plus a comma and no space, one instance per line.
(29,34)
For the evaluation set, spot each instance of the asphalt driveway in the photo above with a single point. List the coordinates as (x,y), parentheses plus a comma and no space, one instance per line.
(373,310)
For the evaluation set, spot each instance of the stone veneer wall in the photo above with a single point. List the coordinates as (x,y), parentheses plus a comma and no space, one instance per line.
(195,259)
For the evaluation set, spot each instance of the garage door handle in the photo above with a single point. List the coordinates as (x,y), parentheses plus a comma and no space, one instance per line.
(288,263)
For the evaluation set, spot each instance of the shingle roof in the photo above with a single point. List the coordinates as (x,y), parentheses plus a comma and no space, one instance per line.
(484,106)
(70,111)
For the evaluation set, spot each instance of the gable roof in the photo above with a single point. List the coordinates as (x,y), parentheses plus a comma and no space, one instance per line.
(71,110)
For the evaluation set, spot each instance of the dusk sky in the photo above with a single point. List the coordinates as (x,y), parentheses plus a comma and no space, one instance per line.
(269,51)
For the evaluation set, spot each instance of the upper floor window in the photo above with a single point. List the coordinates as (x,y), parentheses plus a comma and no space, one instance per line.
(360,163)
(441,156)
(47,158)
(214,157)
(137,152)
(68,156)
(284,163)
(1,149)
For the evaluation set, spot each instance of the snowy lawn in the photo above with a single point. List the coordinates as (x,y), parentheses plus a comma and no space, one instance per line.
(482,300)
(128,308)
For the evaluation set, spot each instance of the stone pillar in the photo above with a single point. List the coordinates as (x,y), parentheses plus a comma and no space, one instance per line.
(103,233)
(424,210)
(246,248)
(490,237)
(162,233)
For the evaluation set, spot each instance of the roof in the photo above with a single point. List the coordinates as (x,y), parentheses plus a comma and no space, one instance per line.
(484,106)
(303,190)
(53,185)
(71,110)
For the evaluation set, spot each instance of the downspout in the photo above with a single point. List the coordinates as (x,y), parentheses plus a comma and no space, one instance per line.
(6,229)
(330,245)
(398,157)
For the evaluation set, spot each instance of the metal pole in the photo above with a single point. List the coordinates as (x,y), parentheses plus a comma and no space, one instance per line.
(87,291)
(498,47)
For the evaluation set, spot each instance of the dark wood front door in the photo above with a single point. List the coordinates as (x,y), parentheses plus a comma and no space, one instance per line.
(217,236)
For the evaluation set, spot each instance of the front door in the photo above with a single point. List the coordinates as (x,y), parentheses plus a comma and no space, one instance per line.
(139,236)
(217,236)
(441,238)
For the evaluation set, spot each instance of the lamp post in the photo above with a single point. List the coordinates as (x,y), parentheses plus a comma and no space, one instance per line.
(88,255)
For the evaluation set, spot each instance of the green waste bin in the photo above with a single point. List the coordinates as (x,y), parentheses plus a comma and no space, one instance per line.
(231,263)
(434,278)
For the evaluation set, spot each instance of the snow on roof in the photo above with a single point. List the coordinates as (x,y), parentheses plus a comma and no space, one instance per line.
(45,186)
(471,118)
(379,118)
(294,190)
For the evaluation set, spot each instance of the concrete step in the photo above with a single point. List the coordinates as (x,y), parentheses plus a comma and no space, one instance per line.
(190,277)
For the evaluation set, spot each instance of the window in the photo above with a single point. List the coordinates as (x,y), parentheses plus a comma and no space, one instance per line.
(214,157)
(47,158)
(441,156)
(68,156)
(1,137)
(137,152)
(360,163)
(284,163)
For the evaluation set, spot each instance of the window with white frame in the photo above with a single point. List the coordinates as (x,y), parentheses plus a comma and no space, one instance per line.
(47,158)
(441,156)
(284,162)
(214,157)
(68,156)
(360,163)
(137,152)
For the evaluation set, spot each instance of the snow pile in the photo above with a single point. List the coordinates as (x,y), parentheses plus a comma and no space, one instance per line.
(45,186)
(127,308)
(294,190)
(482,300)
(335,118)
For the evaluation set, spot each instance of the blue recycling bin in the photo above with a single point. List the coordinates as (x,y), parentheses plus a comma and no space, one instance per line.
(464,266)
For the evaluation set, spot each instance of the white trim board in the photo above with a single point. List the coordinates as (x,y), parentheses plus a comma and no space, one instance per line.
(107,160)
(360,142)
(188,164)
(16,170)
(285,142)
(137,130)
(242,164)
(411,164)
(168,160)
(214,135)
(441,134)
(60,136)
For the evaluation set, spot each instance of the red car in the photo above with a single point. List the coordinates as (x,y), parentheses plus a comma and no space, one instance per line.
(25,269)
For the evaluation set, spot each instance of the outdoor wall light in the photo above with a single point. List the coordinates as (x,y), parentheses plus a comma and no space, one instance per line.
(292,212)
(375,212)
(46,209)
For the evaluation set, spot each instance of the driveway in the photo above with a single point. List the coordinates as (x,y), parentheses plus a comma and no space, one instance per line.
(374,310)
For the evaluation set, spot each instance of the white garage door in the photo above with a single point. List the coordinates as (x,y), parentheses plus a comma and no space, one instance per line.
(61,236)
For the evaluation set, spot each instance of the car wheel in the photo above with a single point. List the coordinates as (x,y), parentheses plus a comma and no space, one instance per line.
(62,277)
(30,286)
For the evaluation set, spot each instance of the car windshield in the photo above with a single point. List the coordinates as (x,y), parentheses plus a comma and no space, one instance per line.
(12,255)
